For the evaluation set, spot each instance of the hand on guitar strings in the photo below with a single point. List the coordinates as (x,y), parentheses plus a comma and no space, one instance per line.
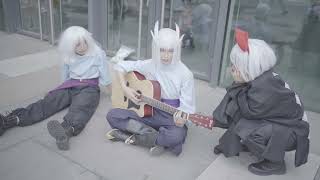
(132,94)
(180,118)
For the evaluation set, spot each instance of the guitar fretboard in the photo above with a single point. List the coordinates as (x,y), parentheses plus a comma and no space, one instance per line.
(203,121)
(158,104)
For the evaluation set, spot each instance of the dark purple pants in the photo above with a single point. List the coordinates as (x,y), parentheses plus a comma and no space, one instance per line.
(170,136)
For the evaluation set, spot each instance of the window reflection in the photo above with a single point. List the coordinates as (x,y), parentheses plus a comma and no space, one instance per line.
(292,29)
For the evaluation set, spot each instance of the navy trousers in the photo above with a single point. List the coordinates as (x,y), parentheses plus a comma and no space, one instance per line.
(81,100)
(170,136)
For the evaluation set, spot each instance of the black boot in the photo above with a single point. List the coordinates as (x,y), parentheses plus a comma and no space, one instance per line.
(266,168)
(7,122)
(60,133)
(218,151)
(157,150)
(143,134)
(117,135)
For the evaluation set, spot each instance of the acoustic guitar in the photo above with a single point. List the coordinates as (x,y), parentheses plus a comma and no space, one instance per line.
(150,93)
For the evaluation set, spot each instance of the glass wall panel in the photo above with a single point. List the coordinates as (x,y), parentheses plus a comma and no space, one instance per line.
(45,18)
(123,25)
(2,24)
(292,29)
(30,15)
(196,20)
(74,13)
(57,17)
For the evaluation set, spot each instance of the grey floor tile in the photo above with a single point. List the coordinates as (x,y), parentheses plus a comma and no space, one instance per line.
(236,168)
(31,161)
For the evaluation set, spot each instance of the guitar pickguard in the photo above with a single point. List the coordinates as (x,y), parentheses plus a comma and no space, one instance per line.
(132,104)
(142,86)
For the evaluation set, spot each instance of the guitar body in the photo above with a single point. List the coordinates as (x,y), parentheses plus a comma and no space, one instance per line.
(150,92)
(138,82)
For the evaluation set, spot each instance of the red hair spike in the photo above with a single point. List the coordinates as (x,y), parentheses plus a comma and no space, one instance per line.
(242,39)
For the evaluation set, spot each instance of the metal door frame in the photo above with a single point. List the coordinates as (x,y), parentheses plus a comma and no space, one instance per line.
(40,35)
(218,46)
(98,22)
(216,43)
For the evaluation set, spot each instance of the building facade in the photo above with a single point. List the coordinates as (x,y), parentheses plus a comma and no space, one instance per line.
(291,27)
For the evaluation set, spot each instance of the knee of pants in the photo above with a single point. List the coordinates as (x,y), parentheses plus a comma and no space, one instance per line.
(259,140)
(262,135)
(171,136)
(113,116)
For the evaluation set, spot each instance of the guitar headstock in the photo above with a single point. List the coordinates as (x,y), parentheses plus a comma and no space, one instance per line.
(200,120)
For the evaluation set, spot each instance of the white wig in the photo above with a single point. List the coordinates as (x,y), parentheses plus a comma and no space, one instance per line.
(252,64)
(69,39)
(168,39)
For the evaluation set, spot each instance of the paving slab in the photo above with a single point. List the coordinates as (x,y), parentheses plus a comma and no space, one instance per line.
(89,176)
(317,176)
(17,90)
(14,45)
(236,168)
(31,161)
(21,65)
(314,120)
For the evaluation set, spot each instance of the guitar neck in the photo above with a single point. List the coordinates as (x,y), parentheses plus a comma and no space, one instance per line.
(158,104)
(200,120)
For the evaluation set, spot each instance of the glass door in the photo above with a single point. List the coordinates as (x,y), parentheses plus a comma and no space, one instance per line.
(30,19)
(72,13)
(128,26)
(36,19)
(43,18)
(66,13)
(197,21)
(292,29)
(2,24)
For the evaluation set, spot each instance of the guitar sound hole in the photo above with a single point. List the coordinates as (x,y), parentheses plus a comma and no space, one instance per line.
(124,97)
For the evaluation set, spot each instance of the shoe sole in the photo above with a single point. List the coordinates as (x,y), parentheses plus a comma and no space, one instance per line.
(115,139)
(216,151)
(58,132)
(278,172)
(156,151)
(109,136)
(129,140)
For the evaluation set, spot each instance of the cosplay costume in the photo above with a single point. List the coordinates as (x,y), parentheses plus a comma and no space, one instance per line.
(262,115)
(177,90)
(80,91)
(266,116)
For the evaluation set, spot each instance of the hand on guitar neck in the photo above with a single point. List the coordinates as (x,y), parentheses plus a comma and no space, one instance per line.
(180,118)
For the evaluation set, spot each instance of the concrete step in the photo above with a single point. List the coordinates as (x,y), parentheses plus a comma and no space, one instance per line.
(14,45)
(22,65)
(236,168)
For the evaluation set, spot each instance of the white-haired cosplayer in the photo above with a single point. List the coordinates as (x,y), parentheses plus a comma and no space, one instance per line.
(251,65)
(84,68)
(260,111)
(158,132)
